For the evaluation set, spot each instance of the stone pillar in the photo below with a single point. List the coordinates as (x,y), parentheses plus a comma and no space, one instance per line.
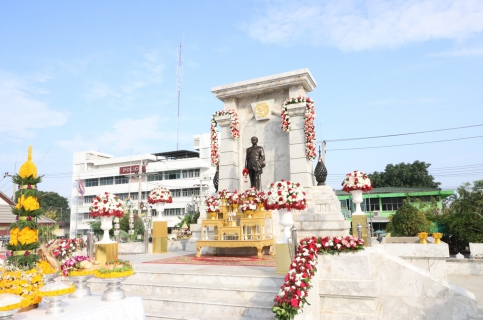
(300,168)
(229,169)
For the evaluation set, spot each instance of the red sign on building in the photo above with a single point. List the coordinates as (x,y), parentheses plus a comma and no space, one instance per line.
(131,169)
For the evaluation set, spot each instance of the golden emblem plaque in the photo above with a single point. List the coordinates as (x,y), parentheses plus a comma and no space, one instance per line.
(261,110)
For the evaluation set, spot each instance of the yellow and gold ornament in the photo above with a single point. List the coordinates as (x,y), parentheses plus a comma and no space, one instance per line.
(21,275)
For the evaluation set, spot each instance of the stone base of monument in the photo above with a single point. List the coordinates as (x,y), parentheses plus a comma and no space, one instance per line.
(323,216)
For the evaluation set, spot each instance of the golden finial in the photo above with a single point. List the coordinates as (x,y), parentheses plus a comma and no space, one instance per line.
(28,168)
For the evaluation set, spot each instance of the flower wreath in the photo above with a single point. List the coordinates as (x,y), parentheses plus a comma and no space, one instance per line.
(235,133)
(309,128)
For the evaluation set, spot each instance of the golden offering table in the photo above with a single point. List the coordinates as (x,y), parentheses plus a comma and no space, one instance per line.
(220,232)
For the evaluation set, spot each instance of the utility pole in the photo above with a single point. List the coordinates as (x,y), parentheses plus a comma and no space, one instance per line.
(179,84)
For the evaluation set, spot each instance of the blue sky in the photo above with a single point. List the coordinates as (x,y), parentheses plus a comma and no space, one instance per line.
(100,75)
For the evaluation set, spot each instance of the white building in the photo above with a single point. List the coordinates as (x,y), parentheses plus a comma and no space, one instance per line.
(184,172)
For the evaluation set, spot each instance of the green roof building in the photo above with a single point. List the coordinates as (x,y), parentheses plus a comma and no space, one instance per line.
(380,203)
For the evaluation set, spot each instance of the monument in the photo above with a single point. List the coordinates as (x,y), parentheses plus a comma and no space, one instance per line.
(258,104)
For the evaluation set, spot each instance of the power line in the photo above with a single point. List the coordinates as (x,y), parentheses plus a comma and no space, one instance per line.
(406,144)
(404,134)
(401,114)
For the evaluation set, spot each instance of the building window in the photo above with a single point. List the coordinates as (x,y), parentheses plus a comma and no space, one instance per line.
(372,204)
(175,193)
(86,216)
(174,212)
(88,199)
(107,181)
(191,173)
(155,176)
(92,182)
(392,204)
(171,175)
(122,179)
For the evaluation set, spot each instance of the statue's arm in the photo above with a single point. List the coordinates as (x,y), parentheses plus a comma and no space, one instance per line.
(246,158)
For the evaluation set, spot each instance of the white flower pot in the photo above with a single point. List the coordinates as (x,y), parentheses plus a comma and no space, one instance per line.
(159,210)
(106,225)
(357,199)
(286,221)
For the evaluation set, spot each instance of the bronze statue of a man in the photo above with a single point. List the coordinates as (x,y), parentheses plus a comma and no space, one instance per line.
(255,162)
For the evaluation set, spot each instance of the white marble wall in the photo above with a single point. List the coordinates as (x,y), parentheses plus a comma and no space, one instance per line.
(427,257)
(465,266)
(403,290)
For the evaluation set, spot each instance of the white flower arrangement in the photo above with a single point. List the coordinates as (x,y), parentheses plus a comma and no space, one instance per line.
(285,195)
(106,205)
(356,180)
(160,194)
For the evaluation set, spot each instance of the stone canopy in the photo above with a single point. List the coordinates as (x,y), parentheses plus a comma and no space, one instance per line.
(284,152)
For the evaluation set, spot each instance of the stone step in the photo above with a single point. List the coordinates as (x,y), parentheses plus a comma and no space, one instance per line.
(343,303)
(354,288)
(187,315)
(221,291)
(184,277)
(318,217)
(322,233)
(321,225)
(350,316)
(169,305)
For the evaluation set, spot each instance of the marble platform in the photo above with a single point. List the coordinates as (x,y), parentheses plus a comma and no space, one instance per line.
(428,257)
(323,216)
(176,291)
(373,284)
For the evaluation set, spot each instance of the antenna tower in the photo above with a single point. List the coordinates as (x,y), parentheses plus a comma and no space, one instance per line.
(179,83)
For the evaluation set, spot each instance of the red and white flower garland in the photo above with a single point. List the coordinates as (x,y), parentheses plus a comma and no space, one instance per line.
(356,180)
(106,205)
(285,195)
(160,194)
(293,293)
(235,133)
(309,128)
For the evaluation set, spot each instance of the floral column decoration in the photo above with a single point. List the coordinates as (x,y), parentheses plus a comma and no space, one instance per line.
(355,183)
(285,196)
(106,206)
(159,196)
(235,133)
(20,275)
(309,127)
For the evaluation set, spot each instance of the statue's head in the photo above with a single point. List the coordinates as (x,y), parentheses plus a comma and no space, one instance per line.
(254,140)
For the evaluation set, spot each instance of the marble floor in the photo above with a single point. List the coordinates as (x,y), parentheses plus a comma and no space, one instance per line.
(473,284)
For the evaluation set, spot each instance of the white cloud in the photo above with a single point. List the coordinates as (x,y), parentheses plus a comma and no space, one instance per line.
(21,113)
(143,133)
(463,52)
(354,25)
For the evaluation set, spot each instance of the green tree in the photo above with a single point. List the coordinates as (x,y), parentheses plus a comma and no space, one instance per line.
(138,224)
(190,218)
(408,221)
(411,175)
(462,214)
(55,206)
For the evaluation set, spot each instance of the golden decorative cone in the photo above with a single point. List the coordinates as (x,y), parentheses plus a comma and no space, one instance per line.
(28,168)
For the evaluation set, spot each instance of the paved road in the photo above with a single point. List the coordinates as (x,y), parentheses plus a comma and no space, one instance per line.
(473,284)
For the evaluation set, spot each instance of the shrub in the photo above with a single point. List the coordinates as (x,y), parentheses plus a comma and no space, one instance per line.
(408,221)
